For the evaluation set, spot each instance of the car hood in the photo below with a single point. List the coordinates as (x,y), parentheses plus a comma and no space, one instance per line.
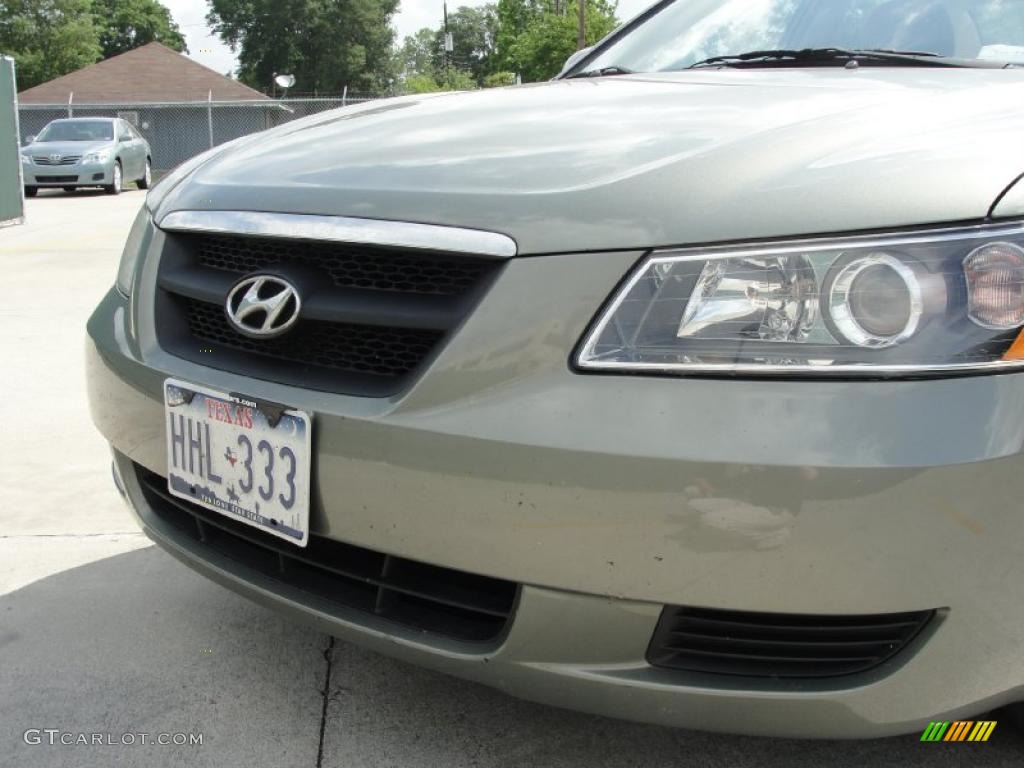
(640,161)
(65,148)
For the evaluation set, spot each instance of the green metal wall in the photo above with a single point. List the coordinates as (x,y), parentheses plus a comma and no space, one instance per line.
(12,203)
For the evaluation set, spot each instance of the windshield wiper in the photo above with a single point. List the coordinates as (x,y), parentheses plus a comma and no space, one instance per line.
(602,72)
(842,56)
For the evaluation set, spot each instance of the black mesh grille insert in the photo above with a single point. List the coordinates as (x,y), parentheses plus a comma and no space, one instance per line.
(347,266)
(56,179)
(441,601)
(371,318)
(778,644)
(366,349)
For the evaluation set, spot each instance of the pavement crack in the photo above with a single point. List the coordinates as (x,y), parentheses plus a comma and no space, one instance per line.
(326,695)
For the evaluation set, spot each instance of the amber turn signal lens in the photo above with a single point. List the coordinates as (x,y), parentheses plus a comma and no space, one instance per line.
(1016,350)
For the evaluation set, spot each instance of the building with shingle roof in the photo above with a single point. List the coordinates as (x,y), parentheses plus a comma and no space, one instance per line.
(150,73)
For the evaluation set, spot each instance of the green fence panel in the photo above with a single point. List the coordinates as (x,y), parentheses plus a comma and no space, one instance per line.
(12,202)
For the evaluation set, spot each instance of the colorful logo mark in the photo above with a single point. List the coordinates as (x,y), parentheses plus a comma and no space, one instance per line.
(961,730)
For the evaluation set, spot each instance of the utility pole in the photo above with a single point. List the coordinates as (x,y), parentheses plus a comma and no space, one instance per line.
(447,41)
(581,37)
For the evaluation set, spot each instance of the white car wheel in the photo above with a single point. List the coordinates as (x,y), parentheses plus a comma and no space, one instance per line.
(115,188)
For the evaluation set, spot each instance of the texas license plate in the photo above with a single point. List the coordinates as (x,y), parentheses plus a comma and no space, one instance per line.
(245,459)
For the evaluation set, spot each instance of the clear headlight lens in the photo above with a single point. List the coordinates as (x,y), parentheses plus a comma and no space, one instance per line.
(995,280)
(134,247)
(928,302)
(876,301)
(26,160)
(97,157)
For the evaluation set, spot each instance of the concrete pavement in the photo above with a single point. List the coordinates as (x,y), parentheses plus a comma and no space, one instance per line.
(100,632)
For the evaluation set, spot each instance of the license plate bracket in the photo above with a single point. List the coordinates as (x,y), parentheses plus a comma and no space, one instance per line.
(228,453)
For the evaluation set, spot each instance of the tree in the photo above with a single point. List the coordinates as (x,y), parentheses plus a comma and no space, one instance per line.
(326,44)
(48,38)
(474,32)
(513,18)
(420,54)
(127,24)
(537,36)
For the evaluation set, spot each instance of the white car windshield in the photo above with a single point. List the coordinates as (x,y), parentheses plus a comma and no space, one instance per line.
(688,32)
(77,130)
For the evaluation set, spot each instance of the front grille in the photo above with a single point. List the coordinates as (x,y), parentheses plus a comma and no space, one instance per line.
(56,179)
(427,598)
(346,267)
(391,352)
(371,320)
(67,160)
(777,644)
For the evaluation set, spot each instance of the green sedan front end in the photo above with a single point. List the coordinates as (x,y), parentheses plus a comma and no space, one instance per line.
(583,405)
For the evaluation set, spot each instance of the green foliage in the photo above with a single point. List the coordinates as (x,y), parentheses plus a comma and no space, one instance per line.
(514,16)
(420,54)
(453,80)
(47,38)
(127,24)
(499,79)
(473,32)
(457,80)
(419,83)
(326,44)
(493,42)
(543,34)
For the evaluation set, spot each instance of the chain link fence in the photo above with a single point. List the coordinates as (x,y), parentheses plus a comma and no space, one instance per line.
(177,131)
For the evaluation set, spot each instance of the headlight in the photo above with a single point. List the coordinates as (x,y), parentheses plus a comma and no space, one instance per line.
(134,247)
(26,160)
(947,301)
(97,157)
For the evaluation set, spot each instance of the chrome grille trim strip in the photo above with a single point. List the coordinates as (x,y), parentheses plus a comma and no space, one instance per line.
(341,229)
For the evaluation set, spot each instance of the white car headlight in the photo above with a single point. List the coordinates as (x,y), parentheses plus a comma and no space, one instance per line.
(928,302)
(26,160)
(97,157)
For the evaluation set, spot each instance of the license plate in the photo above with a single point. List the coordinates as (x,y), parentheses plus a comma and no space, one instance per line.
(245,459)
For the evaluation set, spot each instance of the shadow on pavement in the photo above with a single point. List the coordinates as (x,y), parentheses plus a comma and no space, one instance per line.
(138,643)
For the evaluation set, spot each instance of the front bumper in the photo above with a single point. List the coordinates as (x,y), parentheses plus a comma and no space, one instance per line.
(607,497)
(80,175)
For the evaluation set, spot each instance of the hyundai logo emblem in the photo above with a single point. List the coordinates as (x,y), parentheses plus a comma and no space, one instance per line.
(263,306)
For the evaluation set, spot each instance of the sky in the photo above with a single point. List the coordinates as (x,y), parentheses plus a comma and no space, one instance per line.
(413,15)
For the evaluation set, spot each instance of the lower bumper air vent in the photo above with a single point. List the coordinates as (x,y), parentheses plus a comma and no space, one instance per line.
(440,601)
(779,645)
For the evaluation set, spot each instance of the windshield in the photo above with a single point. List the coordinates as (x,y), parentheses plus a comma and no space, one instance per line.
(689,31)
(78,130)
